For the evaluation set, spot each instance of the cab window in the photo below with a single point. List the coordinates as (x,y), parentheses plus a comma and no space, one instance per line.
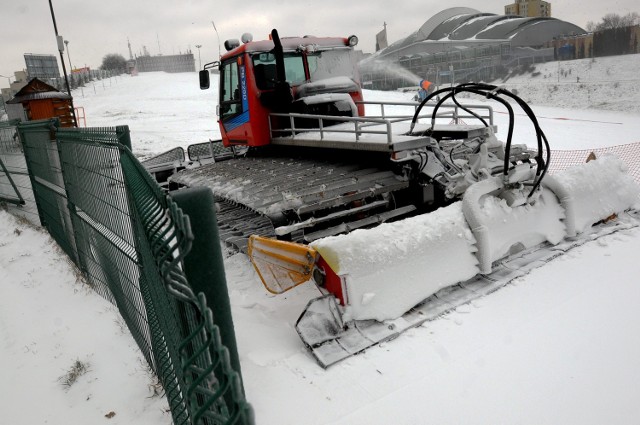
(230,91)
(264,68)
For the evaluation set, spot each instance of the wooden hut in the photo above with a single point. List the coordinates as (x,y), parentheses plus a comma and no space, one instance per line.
(41,101)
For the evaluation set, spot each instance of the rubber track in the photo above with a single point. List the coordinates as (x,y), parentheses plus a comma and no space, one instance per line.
(237,222)
(257,194)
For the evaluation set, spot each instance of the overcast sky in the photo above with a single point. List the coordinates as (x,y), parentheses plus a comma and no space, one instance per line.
(96,28)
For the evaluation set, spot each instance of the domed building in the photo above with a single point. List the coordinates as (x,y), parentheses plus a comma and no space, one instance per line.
(466,42)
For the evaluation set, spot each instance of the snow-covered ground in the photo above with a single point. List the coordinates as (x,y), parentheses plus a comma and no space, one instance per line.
(610,83)
(560,345)
(67,356)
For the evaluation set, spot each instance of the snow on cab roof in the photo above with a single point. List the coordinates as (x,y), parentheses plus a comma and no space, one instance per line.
(288,43)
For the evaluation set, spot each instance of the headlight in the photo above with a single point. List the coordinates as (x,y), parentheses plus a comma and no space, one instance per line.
(353,40)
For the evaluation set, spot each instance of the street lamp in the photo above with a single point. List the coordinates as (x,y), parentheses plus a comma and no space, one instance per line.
(8,79)
(198,46)
(10,94)
(66,43)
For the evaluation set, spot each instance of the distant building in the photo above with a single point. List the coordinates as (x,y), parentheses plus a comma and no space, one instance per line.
(609,42)
(462,44)
(41,66)
(168,63)
(20,80)
(529,9)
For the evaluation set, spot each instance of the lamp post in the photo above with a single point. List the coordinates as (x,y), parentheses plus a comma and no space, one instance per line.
(198,46)
(64,68)
(66,43)
(4,105)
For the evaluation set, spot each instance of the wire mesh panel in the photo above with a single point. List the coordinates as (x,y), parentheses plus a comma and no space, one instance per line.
(203,385)
(9,149)
(166,164)
(102,219)
(174,156)
(129,239)
(43,162)
(15,187)
(211,149)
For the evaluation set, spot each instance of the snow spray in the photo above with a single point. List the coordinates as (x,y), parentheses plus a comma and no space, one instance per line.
(397,71)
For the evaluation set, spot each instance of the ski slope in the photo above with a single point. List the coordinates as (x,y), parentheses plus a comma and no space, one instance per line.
(559,345)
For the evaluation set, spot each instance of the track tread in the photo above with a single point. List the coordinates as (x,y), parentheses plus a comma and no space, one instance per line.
(257,194)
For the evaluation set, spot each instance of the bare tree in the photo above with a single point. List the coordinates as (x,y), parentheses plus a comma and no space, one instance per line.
(613,20)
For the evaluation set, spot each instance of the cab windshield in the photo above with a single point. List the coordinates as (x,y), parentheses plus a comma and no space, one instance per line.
(331,63)
(320,65)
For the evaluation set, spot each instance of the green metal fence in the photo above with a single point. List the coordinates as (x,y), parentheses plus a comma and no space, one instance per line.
(9,145)
(15,187)
(130,240)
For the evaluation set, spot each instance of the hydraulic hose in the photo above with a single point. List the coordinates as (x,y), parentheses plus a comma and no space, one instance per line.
(494,92)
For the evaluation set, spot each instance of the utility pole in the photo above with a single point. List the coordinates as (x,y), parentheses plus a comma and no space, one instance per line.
(217,35)
(130,52)
(64,68)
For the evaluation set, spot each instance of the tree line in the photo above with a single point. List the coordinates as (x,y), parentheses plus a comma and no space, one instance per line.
(613,21)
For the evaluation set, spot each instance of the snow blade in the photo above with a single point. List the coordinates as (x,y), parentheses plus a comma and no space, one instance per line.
(281,265)
(331,340)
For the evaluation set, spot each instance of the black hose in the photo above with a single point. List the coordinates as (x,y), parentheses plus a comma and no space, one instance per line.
(542,165)
(490,94)
(424,101)
(469,111)
(494,92)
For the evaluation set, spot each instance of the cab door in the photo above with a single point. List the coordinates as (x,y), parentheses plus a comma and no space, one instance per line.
(234,103)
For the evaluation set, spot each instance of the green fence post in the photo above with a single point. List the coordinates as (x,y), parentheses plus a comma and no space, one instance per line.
(124,135)
(204,266)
